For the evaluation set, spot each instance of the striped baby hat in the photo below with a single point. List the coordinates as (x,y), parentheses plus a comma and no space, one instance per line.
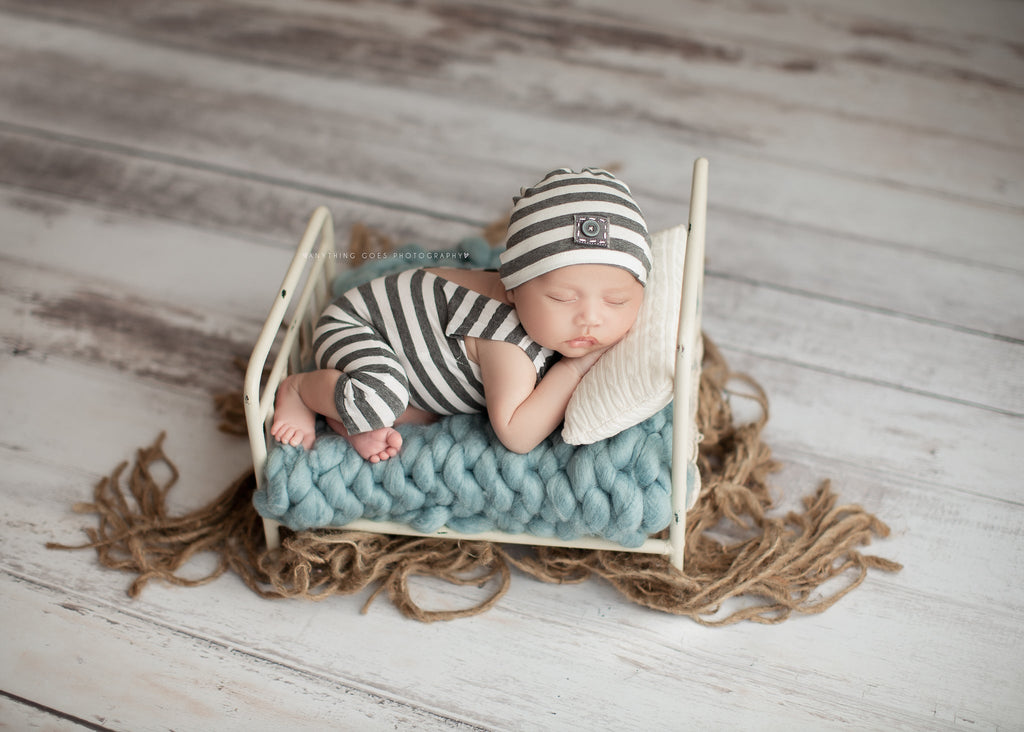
(588,217)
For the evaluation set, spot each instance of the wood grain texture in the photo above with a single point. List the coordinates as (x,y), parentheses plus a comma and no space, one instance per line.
(865,264)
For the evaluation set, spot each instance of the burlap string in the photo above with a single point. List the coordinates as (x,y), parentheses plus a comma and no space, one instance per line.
(736,554)
(768,566)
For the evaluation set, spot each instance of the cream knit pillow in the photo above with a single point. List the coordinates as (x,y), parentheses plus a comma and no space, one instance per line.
(633,380)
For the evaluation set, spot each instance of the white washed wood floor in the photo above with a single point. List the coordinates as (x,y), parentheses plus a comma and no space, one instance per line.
(865,263)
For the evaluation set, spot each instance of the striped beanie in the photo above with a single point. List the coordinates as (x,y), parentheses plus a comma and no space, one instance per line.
(568,218)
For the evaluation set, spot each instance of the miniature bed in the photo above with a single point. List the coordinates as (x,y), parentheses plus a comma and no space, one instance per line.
(620,474)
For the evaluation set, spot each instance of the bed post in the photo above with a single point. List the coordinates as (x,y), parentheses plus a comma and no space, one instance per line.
(684,408)
(314,257)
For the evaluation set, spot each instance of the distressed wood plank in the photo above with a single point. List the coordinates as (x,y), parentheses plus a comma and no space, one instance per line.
(959,447)
(865,274)
(43,177)
(870,47)
(20,714)
(228,100)
(943,537)
(870,346)
(95,415)
(47,315)
(120,671)
(699,48)
(746,247)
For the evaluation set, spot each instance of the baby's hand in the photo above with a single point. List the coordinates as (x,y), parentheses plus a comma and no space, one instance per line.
(583,364)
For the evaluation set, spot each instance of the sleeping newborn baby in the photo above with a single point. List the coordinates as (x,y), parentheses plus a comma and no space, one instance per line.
(407,347)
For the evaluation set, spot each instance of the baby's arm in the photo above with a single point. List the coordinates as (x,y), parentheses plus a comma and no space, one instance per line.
(522,411)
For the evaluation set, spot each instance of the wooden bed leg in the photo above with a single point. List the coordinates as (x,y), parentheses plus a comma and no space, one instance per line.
(272,532)
(677,541)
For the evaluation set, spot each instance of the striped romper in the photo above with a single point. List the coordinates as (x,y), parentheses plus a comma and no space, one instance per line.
(399,340)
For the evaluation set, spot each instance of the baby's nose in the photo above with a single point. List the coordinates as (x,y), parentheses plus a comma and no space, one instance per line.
(588,314)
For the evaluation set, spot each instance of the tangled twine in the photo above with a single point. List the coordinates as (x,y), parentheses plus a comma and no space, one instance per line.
(775,565)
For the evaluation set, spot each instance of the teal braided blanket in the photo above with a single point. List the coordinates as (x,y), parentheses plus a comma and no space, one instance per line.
(456,473)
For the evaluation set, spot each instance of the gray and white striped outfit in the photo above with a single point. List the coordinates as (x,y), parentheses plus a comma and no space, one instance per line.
(400,340)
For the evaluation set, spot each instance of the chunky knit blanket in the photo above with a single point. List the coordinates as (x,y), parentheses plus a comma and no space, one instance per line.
(456,473)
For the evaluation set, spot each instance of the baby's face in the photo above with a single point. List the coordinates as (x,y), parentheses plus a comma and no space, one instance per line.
(578,309)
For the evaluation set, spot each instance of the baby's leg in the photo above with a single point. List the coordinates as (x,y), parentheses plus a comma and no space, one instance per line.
(361,390)
(303,396)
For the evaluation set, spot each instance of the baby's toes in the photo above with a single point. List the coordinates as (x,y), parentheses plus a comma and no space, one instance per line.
(286,435)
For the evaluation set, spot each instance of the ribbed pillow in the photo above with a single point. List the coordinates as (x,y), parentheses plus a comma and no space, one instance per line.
(633,380)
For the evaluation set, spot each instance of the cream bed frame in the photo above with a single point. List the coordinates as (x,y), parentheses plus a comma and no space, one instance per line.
(311,273)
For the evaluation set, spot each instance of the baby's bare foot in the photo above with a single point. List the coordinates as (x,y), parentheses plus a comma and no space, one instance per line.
(377,445)
(294,423)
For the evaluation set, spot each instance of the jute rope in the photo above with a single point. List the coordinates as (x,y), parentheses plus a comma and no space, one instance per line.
(741,563)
